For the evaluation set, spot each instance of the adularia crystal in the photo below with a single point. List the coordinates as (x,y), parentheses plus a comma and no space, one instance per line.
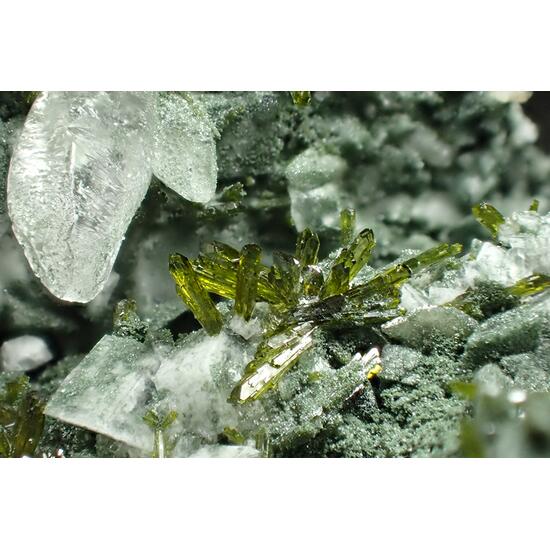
(78,173)
(83,165)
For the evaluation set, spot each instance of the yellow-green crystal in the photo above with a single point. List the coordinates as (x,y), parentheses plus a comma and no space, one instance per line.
(162,446)
(307,248)
(534,206)
(488,216)
(247,280)
(530,285)
(272,361)
(433,256)
(349,262)
(21,419)
(301,99)
(347,225)
(312,280)
(192,292)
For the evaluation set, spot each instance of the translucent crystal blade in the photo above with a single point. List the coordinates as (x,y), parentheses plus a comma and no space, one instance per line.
(247,280)
(194,295)
(78,174)
(185,150)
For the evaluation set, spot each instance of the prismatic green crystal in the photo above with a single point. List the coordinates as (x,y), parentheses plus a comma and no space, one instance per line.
(349,262)
(488,216)
(216,269)
(273,359)
(347,225)
(433,256)
(307,248)
(247,280)
(194,295)
(301,99)
(163,446)
(534,207)
(284,276)
(21,419)
(312,280)
(337,281)
(530,285)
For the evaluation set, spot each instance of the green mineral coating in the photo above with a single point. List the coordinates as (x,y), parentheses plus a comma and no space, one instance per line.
(247,280)
(347,225)
(126,321)
(488,216)
(191,291)
(21,419)
(530,285)
(484,300)
(301,99)
(307,248)
(534,207)
(233,436)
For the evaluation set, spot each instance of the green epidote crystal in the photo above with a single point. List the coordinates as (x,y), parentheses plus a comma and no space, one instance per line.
(349,262)
(21,419)
(432,256)
(534,207)
(247,280)
(273,359)
(194,295)
(301,99)
(312,280)
(126,321)
(163,445)
(488,216)
(284,276)
(347,225)
(530,285)
(307,248)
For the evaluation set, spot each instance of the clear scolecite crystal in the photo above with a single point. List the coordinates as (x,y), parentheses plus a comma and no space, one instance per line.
(78,173)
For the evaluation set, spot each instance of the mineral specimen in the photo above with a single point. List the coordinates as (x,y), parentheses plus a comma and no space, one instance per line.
(24,353)
(80,170)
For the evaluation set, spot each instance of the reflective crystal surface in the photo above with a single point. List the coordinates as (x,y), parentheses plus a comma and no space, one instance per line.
(79,172)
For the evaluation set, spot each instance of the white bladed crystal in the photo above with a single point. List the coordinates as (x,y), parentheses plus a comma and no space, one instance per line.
(185,150)
(79,172)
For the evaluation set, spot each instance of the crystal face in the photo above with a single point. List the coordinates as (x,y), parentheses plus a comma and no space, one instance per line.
(185,150)
(80,170)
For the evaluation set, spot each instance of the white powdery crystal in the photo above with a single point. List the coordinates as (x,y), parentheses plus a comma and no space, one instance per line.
(24,353)
(78,173)
(121,379)
(185,150)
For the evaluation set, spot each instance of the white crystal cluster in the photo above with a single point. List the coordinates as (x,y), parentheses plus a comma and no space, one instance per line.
(81,168)
(523,236)
(110,391)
